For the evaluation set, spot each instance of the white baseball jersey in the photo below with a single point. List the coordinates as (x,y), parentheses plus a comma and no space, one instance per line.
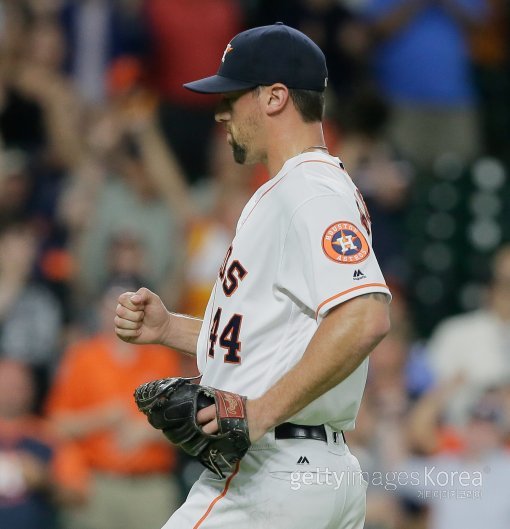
(302,246)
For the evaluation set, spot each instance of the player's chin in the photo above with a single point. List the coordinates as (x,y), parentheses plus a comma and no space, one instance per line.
(239,152)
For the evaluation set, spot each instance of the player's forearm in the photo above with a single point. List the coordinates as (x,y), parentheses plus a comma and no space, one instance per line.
(343,340)
(424,420)
(62,115)
(77,424)
(182,333)
(165,172)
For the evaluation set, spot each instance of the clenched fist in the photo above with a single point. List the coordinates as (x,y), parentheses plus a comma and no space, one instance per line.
(141,318)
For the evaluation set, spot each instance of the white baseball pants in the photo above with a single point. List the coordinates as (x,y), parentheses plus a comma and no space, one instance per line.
(280,484)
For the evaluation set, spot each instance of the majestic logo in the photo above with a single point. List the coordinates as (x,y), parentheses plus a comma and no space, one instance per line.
(343,242)
(228,49)
(303,460)
(358,274)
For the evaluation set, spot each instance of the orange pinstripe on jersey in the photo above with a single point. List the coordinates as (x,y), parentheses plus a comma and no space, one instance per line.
(218,498)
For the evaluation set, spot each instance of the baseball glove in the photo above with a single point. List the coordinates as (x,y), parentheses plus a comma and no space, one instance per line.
(172,404)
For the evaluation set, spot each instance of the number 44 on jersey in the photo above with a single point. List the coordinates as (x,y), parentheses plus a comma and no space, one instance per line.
(229,337)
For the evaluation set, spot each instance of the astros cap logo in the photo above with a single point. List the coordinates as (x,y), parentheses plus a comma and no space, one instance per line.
(228,49)
(344,243)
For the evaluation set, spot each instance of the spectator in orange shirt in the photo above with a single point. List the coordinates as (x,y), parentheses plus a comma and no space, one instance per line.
(91,404)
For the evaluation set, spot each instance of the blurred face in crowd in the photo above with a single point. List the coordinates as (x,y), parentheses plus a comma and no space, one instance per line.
(16,389)
(500,285)
(18,249)
(502,266)
(106,310)
(47,45)
(44,7)
(484,435)
(126,256)
(15,184)
(14,193)
(488,423)
(107,306)
(133,169)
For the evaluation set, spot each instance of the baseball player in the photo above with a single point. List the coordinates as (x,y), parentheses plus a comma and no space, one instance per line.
(298,304)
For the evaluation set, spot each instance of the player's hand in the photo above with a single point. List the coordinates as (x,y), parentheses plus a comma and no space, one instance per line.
(141,317)
(207,418)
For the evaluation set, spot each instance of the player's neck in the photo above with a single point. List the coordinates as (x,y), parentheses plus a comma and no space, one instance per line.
(292,141)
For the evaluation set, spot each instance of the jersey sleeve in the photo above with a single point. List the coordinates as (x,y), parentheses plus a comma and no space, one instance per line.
(327,256)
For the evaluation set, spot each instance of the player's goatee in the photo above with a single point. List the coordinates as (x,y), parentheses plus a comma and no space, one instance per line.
(239,152)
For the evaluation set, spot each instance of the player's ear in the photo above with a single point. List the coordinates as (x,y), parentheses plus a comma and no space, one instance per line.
(276,98)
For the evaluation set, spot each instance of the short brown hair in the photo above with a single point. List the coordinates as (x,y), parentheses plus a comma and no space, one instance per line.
(309,103)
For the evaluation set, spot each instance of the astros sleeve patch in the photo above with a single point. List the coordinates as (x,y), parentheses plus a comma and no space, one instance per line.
(326,261)
(344,243)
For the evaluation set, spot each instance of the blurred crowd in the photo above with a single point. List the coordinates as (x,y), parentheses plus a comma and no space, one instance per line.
(112,177)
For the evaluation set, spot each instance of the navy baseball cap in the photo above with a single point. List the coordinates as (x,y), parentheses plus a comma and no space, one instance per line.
(267,55)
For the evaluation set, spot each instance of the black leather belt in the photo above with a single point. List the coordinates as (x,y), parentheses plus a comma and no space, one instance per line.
(287,430)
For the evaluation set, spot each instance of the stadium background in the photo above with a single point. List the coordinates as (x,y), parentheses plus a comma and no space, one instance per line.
(112,176)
